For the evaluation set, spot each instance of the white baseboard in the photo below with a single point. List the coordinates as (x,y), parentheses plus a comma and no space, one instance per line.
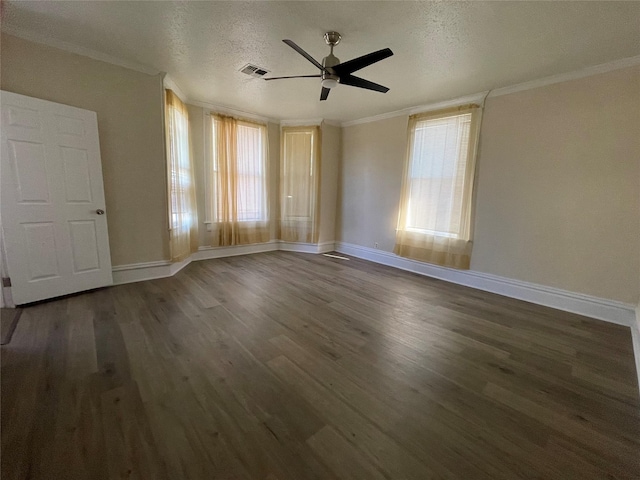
(594,307)
(323,247)
(139,272)
(599,308)
(207,253)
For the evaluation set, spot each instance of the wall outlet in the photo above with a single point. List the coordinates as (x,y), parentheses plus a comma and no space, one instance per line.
(376,245)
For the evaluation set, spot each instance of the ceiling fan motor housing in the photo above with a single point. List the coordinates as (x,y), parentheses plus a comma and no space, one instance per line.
(329,77)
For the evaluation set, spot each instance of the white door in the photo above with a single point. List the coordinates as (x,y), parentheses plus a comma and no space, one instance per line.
(55,227)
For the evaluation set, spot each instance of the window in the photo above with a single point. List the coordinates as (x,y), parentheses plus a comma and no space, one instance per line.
(437,173)
(182,213)
(435,214)
(247,170)
(237,181)
(299,172)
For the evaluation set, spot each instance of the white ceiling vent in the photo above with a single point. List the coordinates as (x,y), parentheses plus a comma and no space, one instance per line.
(254,70)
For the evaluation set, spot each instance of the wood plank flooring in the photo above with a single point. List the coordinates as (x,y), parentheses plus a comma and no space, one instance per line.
(8,320)
(282,366)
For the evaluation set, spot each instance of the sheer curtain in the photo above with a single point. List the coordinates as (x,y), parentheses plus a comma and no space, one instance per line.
(299,184)
(434,224)
(237,180)
(183,216)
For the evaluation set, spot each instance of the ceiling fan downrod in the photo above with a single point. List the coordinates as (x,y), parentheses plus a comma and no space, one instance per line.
(329,77)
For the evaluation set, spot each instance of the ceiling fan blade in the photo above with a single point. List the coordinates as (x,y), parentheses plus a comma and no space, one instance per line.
(361,62)
(362,83)
(324,93)
(295,76)
(298,49)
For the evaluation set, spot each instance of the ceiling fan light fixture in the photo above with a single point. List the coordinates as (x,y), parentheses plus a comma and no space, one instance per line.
(329,82)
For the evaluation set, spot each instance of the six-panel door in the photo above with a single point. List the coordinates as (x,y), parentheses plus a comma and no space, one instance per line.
(52,195)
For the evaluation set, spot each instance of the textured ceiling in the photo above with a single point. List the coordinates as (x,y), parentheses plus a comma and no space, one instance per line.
(442,49)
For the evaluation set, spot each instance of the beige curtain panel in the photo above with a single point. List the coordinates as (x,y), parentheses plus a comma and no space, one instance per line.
(183,215)
(299,184)
(434,223)
(237,193)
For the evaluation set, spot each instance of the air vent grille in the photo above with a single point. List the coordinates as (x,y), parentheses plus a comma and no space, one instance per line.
(254,70)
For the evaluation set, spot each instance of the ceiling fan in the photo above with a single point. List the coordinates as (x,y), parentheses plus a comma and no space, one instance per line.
(333,72)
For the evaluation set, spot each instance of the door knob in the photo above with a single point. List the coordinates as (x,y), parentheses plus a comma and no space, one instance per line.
(100,211)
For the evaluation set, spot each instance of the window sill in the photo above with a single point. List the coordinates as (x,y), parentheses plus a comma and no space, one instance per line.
(432,233)
(261,223)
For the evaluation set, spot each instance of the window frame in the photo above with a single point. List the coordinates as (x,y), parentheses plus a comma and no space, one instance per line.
(211,167)
(314,133)
(300,170)
(467,188)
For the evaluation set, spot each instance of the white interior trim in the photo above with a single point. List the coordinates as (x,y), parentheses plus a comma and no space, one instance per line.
(540,82)
(309,122)
(168,82)
(590,306)
(301,123)
(323,247)
(38,37)
(139,272)
(564,77)
(475,98)
(232,111)
(594,307)
(587,305)
(206,253)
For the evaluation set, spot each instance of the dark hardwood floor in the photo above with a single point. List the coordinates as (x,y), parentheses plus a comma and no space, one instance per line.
(296,366)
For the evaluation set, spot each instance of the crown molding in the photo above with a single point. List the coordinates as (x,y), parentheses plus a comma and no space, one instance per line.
(476,97)
(377,118)
(497,92)
(37,37)
(333,123)
(301,123)
(565,77)
(168,82)
(232,111)
(309,122)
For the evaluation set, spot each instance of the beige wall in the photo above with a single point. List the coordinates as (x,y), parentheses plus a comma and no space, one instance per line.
(129,108)
(331,145)
(559,186)
(274,176)
(197,126)
(370,181)
(558,197)
(196,132)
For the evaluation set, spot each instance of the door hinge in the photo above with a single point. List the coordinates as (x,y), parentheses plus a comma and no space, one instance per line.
(6,281)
